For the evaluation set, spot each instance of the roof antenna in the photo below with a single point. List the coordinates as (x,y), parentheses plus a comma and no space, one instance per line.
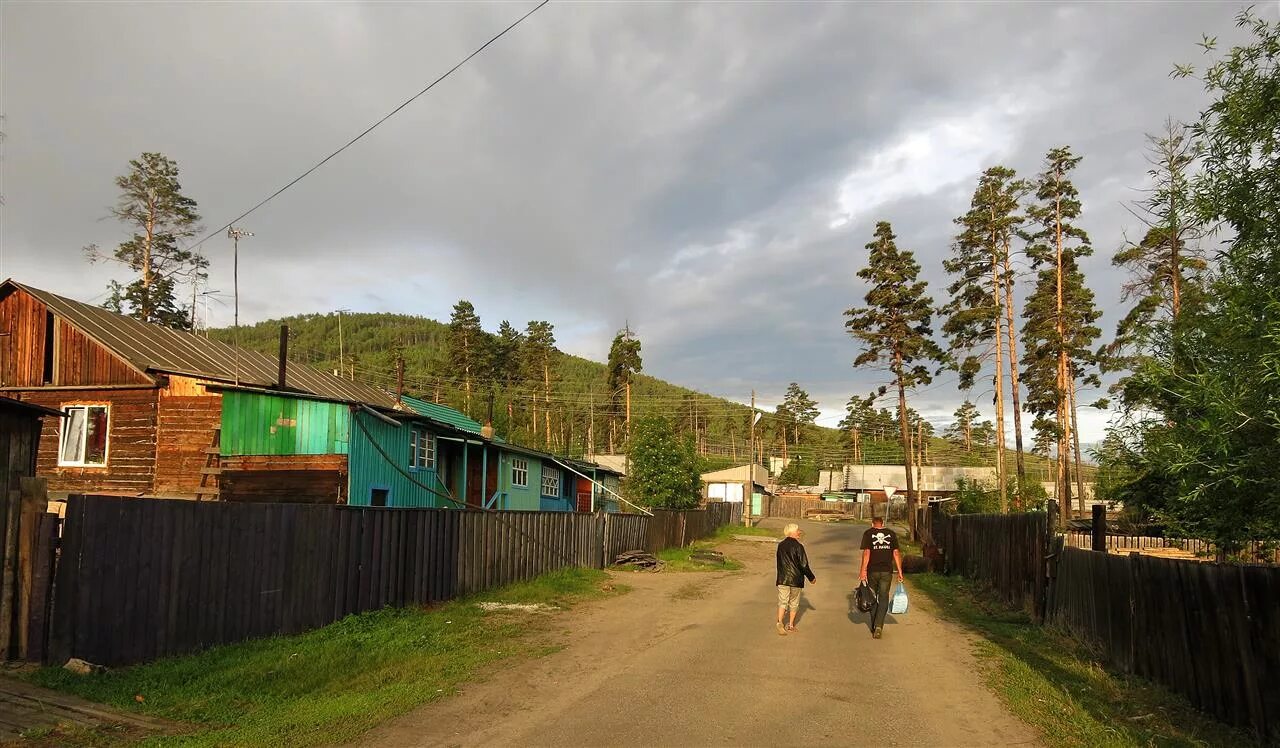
(235,234)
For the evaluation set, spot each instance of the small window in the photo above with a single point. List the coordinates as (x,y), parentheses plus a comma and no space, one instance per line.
(378,496)
(84,436)
(520,472)
(422,450)
(550,482)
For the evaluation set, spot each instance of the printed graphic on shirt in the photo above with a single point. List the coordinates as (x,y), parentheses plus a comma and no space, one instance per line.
(882,542)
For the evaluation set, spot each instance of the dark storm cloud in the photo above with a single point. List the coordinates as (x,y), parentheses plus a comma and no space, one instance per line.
(709,172)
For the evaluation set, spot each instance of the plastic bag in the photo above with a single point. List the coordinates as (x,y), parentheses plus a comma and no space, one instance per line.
(899,604)
(864,598)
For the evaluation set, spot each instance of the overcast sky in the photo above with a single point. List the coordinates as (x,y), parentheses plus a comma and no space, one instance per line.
(710,173)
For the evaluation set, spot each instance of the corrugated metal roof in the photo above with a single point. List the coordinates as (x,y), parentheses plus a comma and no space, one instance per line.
(151,347)
(8,403)
(441,414)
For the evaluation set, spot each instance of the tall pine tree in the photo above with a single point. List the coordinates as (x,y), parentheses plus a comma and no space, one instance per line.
(895,330)
(538,359)
(623,365)
(1166,268)
(1059,315)
(468,350)
(152,204)
(961,430)
(980,312)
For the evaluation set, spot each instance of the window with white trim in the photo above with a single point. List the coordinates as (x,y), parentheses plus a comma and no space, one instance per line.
(519,472)
(550,481)
(422,454)
(84,436)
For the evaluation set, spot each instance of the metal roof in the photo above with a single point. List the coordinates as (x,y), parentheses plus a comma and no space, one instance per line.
(156,348)
(441,414)
(8,403)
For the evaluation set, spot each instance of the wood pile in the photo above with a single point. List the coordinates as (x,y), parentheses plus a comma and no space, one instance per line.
(638,559)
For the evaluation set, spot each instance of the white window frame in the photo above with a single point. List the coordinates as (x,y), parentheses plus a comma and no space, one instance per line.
(551,476)
(422,450)
(519,472)
(65,430)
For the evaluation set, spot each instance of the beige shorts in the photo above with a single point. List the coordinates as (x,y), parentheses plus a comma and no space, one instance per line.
(788,597)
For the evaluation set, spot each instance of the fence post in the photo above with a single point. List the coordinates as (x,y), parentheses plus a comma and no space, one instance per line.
(1099,528)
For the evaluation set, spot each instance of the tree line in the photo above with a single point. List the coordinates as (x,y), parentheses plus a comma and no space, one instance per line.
(1198,351)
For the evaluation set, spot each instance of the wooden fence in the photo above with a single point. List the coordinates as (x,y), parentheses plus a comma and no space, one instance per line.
(1257,551)
(800,507)
(139,579)
(1005,552)
(1208,631)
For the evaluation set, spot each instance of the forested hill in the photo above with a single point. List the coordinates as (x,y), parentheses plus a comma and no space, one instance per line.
(579,400)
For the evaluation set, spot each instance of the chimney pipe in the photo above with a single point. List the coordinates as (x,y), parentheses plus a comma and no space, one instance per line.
(284,354)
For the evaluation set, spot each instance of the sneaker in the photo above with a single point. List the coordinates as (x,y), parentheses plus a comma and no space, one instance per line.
(877,633)
(782,630)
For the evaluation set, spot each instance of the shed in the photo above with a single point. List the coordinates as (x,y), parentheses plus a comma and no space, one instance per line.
(20,426)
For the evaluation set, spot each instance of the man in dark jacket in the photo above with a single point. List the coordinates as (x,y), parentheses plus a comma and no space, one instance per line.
(793,568)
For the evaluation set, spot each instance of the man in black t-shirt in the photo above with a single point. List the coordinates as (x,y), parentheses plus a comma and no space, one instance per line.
(880,555)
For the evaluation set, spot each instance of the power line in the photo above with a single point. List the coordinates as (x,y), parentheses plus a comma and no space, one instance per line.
(371,128)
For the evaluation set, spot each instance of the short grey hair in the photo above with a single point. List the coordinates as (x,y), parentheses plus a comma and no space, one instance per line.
(790,529)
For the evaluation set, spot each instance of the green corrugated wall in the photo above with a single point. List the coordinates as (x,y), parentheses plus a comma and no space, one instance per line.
(260,424)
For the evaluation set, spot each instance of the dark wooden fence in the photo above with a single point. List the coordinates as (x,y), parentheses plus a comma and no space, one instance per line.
(1005,552)
(1256,551)
(676,529)
(1208,631)
(624,532)
(139,579)
(800,507)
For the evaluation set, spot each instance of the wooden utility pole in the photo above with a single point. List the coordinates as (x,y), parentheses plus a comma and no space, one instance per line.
(1064,423)
(746,500)
(1001,477)
(1075,433)
(628,410)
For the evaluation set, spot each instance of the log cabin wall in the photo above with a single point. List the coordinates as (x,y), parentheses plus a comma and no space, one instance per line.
(80,361)
(24,323)
(131,441)
(187,415)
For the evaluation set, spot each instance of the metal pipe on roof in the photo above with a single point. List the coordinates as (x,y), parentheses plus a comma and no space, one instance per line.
(379,416)
(284,355)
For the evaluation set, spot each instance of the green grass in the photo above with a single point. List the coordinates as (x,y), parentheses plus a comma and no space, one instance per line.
(1054,684)
(332,684)
(680,559)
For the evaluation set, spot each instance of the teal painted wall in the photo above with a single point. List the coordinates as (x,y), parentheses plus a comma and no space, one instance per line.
(369,469)
(260,424)
(515,496)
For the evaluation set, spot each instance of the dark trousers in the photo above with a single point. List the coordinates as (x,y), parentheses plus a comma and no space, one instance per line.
(881,582)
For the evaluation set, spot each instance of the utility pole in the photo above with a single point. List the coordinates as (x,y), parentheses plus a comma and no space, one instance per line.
(235,235)
(341,348)
(751,465)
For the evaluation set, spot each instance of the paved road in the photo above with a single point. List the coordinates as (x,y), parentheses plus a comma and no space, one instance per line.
(693,659)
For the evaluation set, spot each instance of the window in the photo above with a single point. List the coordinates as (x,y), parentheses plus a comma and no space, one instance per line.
(84,436)
(422,450)
(550,482)
(378,496)
(520,472)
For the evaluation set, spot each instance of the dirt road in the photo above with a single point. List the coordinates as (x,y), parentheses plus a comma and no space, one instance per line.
(693,659)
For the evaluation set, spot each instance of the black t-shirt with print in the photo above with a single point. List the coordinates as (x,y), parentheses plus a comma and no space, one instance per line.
(882,542)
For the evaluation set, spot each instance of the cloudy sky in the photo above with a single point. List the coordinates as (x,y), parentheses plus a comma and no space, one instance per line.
(709,173)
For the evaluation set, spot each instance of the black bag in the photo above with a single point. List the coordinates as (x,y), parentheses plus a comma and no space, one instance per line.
(864,597)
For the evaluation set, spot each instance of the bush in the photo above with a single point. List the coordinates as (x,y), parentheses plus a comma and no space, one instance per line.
(664,468)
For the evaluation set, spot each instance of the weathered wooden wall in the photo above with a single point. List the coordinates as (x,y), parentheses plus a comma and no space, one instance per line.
(131,445)
(1208,631)
(313,479)
(80,361)
(186,420)
(22,351)
(141,579)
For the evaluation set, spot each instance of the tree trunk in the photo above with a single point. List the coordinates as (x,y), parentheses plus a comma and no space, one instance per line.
(147,303)
(1064,425)
(905,430)
(1020,496)
(998,383)
(1075,432)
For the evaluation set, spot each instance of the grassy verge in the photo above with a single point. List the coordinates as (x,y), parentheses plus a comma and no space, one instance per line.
(680,559)
(332,684)
(1053,683)
(726,532)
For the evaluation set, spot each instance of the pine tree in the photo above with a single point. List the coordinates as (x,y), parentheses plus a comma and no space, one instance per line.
(468,350)
(859,420)
(894,328)
(623,365)
(797,410)
(1059,315)
(505,366)
(961,431)
(980,311)
(1167,266)
(152,204)
(538,357)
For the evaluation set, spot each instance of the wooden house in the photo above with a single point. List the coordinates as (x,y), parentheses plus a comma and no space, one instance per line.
(143,403)
(151,411)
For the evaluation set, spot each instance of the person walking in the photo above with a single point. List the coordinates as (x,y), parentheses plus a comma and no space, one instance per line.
(880,554)
(793,569)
